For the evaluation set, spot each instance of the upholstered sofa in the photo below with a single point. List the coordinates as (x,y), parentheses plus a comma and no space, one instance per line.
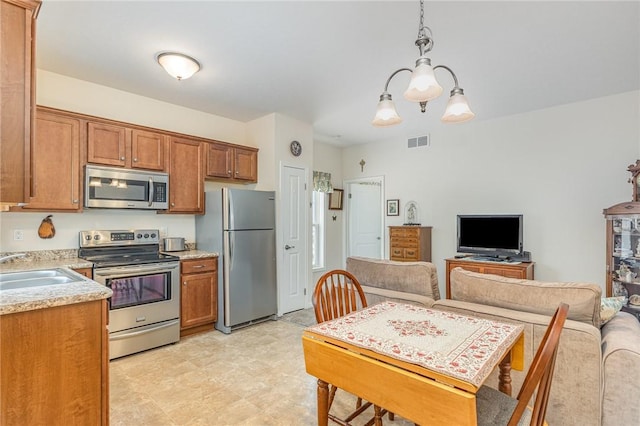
(409,282)
(597,375)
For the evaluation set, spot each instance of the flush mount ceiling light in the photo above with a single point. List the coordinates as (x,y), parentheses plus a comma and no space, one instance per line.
(178,65)
(423,86)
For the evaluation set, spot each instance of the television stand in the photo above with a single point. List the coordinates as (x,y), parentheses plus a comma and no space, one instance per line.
(522,270)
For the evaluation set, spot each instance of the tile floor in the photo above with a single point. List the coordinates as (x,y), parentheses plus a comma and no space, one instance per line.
(253,376)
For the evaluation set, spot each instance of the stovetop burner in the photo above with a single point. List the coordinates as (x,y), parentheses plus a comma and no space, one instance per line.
(121,248)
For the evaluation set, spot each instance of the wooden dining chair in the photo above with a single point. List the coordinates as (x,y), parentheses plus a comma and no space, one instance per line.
(496,408)
(339,293)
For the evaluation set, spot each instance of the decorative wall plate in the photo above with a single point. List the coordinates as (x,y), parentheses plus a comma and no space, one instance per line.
(296,148)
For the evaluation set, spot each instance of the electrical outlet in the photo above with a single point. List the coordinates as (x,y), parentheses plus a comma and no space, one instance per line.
(18,235)
(163,232)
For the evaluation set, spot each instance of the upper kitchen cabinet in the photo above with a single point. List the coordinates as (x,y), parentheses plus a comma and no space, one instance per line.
(17,86)
(114,145)
(56,174)
(186,175)
(232,162)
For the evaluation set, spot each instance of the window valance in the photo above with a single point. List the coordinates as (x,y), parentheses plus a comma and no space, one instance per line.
(322,182)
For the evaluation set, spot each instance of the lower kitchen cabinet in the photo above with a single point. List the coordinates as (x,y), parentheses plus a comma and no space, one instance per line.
(87,272)
(54,366)
(199,294)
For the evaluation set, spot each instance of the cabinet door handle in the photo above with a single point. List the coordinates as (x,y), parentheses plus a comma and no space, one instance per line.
(184,283)
(173,204)
(197,266)
(135,160)
(75,201)
(122,158)
(228,172)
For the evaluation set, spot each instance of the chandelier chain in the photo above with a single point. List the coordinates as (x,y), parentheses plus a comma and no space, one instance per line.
(421,33)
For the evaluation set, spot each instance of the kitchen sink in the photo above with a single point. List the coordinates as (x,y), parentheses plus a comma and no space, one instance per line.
(26,279)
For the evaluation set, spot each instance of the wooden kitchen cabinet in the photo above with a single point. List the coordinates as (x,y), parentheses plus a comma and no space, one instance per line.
(87,272)
(17,85)
(232,162)
(56,174)
(186,176)
(110,144)
(199,294)
(410,243)
(523,270)
(54,366)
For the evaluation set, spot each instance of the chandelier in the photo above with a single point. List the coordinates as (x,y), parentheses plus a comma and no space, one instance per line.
(423,86)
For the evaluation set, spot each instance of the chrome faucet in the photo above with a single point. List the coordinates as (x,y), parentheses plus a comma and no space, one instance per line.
(4,259)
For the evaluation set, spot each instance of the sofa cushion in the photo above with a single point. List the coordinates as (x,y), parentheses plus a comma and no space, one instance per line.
(409,281)
(528,295)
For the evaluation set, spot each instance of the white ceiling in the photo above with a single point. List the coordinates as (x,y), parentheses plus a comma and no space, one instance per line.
(326,62)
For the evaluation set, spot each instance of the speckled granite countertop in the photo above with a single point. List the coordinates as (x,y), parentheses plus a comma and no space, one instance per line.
(31,298)
(27,299)
(192,254)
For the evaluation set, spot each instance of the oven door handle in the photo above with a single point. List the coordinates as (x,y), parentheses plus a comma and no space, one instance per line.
(131,271)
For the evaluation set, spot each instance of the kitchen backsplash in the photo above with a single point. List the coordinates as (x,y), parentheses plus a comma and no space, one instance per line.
(68,225)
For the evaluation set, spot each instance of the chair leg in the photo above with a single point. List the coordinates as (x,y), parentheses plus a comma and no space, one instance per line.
(332,394)
(359,402)
(392,416)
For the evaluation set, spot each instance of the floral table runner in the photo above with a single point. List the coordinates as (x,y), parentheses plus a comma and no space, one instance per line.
(463,347)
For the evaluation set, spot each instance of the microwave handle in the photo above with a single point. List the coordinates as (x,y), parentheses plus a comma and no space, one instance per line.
(150,191)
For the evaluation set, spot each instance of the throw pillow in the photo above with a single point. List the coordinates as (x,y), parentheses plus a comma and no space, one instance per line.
(609,306)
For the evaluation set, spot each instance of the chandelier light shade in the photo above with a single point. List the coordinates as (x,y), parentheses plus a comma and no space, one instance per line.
(423,86)
(458,110)
(178,65)
(386,114)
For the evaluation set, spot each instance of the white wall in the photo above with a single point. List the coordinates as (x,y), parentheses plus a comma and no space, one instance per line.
(560,167)
(327,158)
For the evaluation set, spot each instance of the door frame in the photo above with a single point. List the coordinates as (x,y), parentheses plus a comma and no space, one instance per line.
(305,220)
(346,186)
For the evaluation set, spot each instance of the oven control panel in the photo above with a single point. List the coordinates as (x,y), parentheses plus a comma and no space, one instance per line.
(119,237)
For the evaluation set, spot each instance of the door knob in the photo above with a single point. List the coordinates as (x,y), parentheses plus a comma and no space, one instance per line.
(287,247)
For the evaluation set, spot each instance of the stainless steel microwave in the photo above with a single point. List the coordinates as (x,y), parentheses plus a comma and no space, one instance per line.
(113,188)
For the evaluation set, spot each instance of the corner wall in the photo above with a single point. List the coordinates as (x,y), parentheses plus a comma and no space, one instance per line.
(559,167)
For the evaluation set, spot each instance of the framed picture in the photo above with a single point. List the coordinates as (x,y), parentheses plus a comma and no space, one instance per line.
(393,208)
(335,199)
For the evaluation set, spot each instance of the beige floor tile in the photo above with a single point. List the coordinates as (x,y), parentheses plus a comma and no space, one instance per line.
(253,377)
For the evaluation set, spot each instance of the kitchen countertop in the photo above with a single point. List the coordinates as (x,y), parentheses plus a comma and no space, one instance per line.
(192,254)
(84,290)
(47,296)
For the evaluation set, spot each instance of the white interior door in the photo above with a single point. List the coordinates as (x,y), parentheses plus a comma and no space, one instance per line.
(293,281)
(365,224)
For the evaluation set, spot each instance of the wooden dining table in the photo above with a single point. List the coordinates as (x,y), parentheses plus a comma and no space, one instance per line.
(423,364)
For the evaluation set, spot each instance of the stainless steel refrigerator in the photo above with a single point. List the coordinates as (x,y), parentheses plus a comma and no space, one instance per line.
(240,225)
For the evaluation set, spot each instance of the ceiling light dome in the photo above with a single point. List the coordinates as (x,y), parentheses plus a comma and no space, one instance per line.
(178,65)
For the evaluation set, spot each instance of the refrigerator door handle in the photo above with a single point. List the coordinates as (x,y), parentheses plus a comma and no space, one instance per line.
(231,239)
(227,273)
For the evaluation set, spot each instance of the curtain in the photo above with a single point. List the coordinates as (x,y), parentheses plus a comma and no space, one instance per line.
(322,182)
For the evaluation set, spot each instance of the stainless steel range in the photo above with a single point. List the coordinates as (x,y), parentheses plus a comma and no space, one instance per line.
(144,311)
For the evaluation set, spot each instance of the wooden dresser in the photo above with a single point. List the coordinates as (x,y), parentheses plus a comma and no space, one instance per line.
(410,243)
(523,270)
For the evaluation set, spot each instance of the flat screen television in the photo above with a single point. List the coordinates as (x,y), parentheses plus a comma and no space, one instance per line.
(490,235)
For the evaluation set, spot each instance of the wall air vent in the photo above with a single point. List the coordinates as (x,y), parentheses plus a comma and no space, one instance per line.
(418,141)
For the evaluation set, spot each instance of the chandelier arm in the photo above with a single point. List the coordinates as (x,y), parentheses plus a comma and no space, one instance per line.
(386,86)
(455,79)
